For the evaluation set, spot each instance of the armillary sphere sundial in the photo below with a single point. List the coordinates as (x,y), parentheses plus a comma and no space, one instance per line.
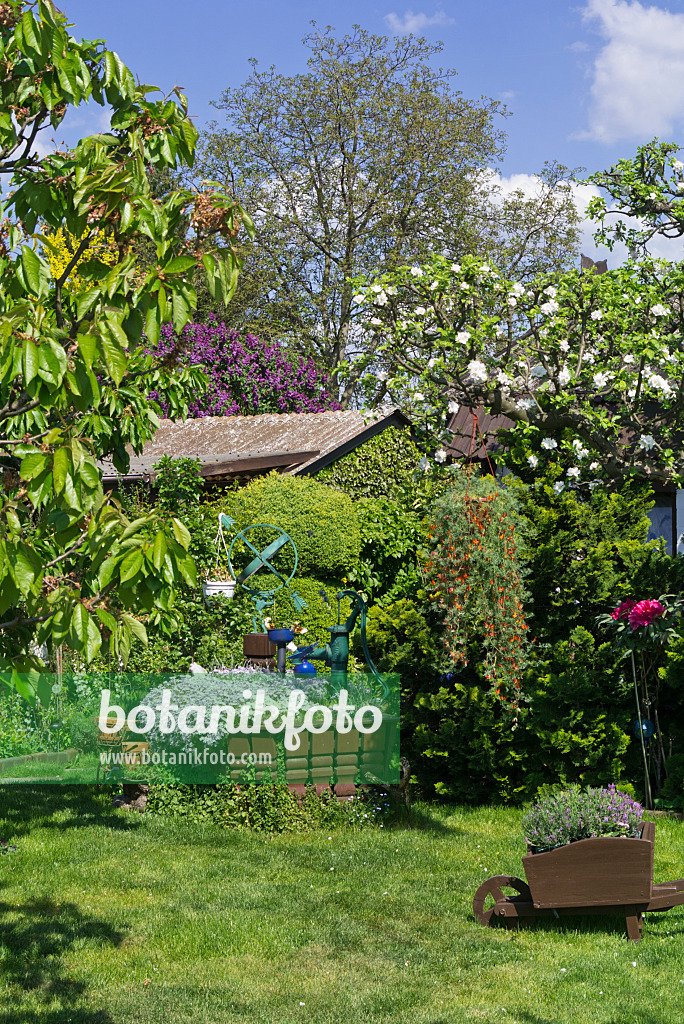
(274,566)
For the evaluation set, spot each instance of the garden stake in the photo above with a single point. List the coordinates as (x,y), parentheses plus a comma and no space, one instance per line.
(647,781)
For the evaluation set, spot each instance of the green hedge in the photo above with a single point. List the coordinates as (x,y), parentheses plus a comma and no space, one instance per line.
(379,468)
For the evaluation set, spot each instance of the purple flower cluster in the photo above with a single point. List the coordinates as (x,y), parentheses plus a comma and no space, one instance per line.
(581,814)
(246,376)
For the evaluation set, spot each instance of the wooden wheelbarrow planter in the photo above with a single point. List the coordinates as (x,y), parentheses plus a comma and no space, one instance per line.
(592,876)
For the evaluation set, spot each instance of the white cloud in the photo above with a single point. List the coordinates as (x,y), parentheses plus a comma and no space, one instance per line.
(637,90)
(529,185)
(411,23)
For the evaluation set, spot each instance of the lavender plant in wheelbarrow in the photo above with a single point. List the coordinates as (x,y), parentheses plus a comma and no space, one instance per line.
(588,852)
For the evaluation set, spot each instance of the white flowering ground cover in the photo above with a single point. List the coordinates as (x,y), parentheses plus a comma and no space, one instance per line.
(116,918)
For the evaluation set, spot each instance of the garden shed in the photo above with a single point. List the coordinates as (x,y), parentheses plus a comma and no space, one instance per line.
(238,448)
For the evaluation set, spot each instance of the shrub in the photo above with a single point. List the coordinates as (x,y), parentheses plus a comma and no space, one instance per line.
(400,639)
(385,466)
(475,575)
(317,616)
(245,375)
(576,814)
(269,807)
(393,550)
(321,521)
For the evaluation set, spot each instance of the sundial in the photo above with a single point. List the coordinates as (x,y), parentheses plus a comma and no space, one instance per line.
(271,569)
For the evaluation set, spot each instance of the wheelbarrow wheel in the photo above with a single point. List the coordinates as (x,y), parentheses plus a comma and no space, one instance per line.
(483,908)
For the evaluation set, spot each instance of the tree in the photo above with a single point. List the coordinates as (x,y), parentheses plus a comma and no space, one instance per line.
(368,160)
(244,374)
(74,376)
(588,366)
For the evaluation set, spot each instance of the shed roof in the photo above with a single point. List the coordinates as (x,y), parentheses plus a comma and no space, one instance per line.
(295,442)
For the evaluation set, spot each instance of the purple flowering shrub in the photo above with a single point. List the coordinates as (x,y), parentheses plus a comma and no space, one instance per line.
(581,814)
(246,376)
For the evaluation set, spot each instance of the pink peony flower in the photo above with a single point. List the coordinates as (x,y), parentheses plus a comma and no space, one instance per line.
(622,611)
(645,612)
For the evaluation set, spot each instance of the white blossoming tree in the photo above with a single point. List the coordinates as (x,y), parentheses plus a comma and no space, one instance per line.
(590,364)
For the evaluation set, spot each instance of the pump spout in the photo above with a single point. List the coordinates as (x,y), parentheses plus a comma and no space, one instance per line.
(359,606)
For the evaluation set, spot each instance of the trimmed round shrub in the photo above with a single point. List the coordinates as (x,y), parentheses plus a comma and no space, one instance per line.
(321,521)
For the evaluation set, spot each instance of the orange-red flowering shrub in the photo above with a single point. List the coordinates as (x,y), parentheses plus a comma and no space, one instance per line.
(476,578)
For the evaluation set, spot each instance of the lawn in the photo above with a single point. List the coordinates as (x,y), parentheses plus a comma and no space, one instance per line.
(107,917)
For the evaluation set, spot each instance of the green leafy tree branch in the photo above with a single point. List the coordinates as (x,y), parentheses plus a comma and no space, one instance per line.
(74,372)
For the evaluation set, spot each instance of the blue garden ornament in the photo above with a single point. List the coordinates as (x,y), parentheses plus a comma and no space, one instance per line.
(267,565)
(647,728)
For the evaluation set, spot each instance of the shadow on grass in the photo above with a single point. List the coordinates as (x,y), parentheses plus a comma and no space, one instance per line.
(608,924)
(37,940)
(22,807)
(426,819)
(526,1017)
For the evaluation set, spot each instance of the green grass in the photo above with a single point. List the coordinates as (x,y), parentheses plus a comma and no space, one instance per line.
(115,918)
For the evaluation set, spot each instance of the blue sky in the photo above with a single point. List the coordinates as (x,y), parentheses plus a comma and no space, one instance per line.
(585,83)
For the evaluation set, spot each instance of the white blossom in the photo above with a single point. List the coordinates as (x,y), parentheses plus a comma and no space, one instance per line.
(380,299)
(550,307)
(440,455)
(376,288)
(435,284)
(549,443)
(463,337)
(564,376)
(376,323)
(420,311)
(423,463)
(416,272)
(631,393)
(678,165)
(589,358)
(525,403)
(453,407)
(503,379)
(601,379)
(597,314)
(533,461)
(550,291)
(646,442)
(659,383)
(455,267)
(517,289)
(359,299)
(465,287)
(629,358)
(573,472)
(564,346)
(478,371)
(659,310)
(593,466)
(419,396)
(538,370)
(559,486)
(512,302)
(431,363)
(381,374)
(680,186)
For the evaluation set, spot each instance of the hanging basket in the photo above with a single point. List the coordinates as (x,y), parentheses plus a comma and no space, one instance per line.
(210,588)
(222,583)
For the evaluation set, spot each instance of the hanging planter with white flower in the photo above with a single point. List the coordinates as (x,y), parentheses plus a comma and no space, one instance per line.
(218,579)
